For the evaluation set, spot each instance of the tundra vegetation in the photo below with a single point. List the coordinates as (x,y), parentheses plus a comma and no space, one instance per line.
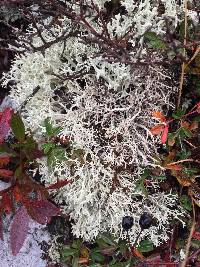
(101,139)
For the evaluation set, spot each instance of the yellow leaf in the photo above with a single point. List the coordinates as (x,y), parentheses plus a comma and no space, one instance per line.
(85,252)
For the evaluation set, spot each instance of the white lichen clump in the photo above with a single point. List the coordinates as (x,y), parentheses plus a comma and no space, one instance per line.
(106,115)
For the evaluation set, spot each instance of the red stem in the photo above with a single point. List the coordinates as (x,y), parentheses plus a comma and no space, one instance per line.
(184,116)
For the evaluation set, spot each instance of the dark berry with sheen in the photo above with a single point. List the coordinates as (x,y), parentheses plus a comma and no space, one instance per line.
(145,221)
(127,222)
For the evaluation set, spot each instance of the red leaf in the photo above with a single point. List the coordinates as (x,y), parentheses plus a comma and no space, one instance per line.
(1,228)
(7,203)
(59,184)
(6,173)
(5,117)
(19,230)
(4,161)
(196,235)
(157,129)
(198,105)
(42,210)
(165,134)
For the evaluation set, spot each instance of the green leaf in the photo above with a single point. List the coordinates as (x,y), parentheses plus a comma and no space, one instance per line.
(123,264)
(196,83)
(30,143)
(183,154)
(197,118)
(4,149)
(187,132)
(159,177)
(96,255)
(154,41)
(190,30)
(145,173)
(181,133)
(18,173)
(47,147)
(190,171)
(106,240)
(145,246)
(180,243)
(195,243)
(17,127)
(179,113)
(76,244)
(48,126)
(75,262)
(140,188)
(122,246)
(182,30)
(55,155)
(113,262)
(50,130)
(67,252)
(186,202)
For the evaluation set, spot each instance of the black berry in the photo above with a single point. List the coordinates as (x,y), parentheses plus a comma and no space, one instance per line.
(127,222)
(145,221)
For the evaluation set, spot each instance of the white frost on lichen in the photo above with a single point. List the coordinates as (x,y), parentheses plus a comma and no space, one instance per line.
(107,116)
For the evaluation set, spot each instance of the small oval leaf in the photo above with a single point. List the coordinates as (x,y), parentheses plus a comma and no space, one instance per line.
(42,210)
(17,127)
(157,129)
(19,230)
(165,134)
(4,123)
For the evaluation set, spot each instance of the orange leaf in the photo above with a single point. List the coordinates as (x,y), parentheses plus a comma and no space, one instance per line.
(165,134)
(175,167)
(159,115)
(157,129)
(183,181)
